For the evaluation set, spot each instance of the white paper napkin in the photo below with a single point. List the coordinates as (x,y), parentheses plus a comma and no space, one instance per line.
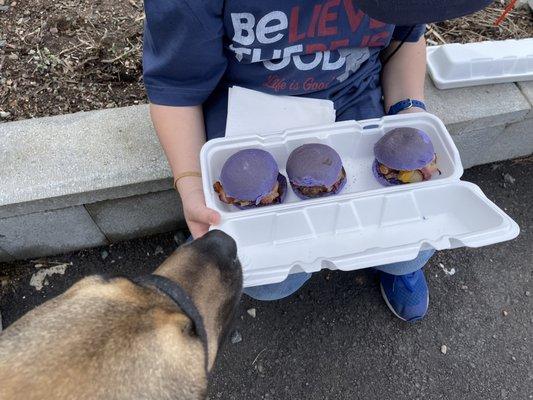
(255,113)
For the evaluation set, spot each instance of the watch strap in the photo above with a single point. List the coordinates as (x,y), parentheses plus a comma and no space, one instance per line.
(404,105)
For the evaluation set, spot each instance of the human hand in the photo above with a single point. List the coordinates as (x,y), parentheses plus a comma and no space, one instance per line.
(197,215)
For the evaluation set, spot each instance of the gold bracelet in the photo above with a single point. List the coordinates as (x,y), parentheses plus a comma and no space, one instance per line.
(186,174)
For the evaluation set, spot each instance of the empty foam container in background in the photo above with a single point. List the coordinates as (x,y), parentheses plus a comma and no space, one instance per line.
(459,65)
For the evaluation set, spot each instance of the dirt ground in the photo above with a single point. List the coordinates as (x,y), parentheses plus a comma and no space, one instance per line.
(72,55)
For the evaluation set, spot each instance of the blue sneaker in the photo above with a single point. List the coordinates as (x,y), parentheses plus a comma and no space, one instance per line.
(407,295)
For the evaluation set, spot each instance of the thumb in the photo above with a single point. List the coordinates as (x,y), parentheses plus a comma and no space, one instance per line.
(214,218)
(207,216)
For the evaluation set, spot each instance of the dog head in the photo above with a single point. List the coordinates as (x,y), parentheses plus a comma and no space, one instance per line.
(209,271)
(113,338)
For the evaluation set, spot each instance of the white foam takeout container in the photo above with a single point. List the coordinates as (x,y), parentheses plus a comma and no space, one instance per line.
(366,224)
(459,65)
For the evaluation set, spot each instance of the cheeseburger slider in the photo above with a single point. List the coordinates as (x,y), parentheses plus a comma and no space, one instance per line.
(251,178)
(315,170)
(404,155)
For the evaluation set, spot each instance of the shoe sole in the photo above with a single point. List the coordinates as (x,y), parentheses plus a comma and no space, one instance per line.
(394,311)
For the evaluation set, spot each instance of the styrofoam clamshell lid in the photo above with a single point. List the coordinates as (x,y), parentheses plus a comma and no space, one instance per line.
(366,224)
(459,65)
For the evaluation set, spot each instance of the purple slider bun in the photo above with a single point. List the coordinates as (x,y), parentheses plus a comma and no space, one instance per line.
(403,151)
(248,179)
(315,170)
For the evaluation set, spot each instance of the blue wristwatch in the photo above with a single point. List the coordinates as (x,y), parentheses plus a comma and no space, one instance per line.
(404,105)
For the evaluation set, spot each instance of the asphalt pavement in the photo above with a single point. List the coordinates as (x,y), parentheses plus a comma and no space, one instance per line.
(335,338)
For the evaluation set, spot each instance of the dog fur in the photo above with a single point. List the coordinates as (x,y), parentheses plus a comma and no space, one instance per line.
(112,339)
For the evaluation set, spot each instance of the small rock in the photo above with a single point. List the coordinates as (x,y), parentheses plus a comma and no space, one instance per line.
(40,278)
(2,43)
(110,105)
(13,56)
(236,337)
(13,4)
(505,313)
(27,12)
(464,287)
(251,312)
(2,2)
(448,272)
(528,293)
(508,178)
(104,254)
(5,114)
(158,250)
(260,368)
(443,349)
(54,30)
(495,166)
(180,237)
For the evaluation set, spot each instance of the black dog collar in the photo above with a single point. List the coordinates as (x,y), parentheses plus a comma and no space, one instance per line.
(182,300)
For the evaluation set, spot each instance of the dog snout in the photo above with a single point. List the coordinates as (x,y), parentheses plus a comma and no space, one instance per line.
(220,244)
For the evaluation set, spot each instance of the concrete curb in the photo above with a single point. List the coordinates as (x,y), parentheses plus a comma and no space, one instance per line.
(94,178)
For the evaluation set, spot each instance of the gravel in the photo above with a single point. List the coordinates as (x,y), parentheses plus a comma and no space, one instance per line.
(509,179)
(236,337)
(251,312)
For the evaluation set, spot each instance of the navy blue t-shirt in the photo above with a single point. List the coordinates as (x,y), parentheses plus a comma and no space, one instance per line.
(195,49)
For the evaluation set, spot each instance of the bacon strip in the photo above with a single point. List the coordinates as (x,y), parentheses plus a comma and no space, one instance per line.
(430,169)
(417,175)
(266,200)
(316,191)
(272,196)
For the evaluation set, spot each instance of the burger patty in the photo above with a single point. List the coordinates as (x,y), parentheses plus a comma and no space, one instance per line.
(409,176)
(317,191)
(273,197)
